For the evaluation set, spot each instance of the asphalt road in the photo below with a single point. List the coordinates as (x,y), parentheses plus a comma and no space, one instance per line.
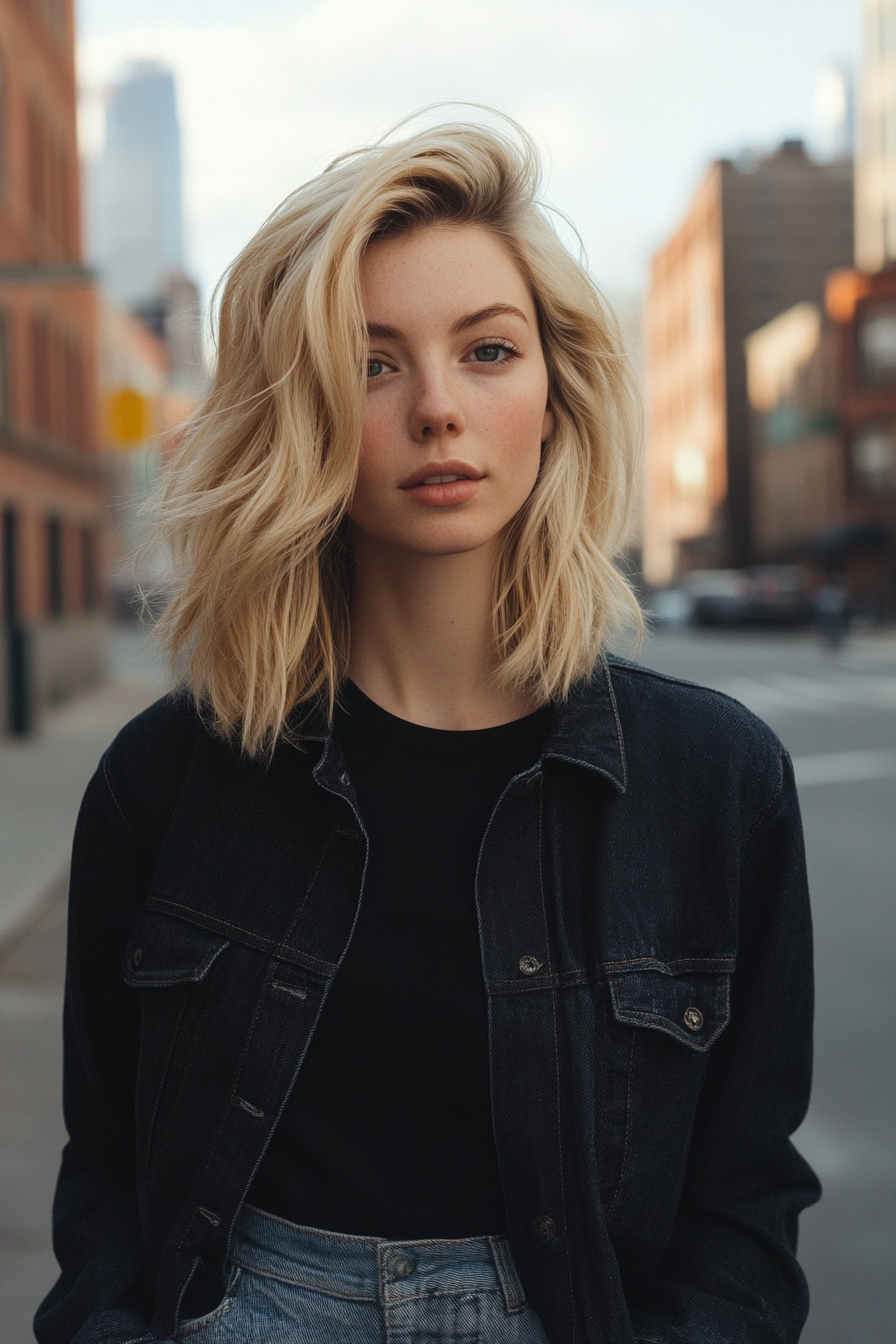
(837,715)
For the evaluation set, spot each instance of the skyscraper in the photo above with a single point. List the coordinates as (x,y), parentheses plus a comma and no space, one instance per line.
(876,159)
(136,206)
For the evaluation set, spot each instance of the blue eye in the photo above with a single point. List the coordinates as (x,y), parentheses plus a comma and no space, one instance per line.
(488,354)
(375,367)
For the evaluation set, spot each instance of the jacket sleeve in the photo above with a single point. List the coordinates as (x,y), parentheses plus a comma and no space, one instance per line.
(101,1296)
(729,1274)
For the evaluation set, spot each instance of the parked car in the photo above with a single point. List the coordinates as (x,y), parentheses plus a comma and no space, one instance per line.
(767,595)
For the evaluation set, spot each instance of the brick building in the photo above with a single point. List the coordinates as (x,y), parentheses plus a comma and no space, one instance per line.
(758,238)
(50,475)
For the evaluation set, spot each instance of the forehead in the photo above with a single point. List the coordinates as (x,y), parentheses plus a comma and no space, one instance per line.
(441,269)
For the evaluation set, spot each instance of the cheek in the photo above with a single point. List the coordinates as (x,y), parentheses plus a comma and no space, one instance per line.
(518,427)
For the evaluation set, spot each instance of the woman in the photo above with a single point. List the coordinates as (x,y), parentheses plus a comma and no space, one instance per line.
(538,1084)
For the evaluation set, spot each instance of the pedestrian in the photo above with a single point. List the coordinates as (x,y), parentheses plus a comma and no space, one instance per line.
(831,602)
(433,974)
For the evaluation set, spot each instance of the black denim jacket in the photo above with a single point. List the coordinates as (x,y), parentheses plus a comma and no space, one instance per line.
(646,949)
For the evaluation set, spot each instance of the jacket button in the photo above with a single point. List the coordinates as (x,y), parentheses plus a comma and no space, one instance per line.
(693,1019)
(545,1228)
(137,956)
(529,965)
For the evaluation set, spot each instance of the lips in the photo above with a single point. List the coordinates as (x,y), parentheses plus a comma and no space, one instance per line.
(441,473)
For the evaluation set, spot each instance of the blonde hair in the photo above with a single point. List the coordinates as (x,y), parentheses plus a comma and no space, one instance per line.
(255,505)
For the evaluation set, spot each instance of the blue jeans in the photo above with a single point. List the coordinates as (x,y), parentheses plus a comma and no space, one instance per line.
(295,1285)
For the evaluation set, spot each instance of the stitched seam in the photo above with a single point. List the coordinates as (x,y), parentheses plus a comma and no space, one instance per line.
(754,830)
(679,961)
(619,738)
(628,1116)
(562,1166)
(254,940)
(121,812)
(150,1133)
(296,1283)
(284,944)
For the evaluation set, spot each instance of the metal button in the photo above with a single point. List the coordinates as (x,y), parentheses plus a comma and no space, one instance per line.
(545,1228)
(402,1266)
(693,1019)
(529,964)
(344,779)
(137,956)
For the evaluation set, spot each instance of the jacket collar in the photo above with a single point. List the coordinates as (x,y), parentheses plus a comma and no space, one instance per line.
(585,730)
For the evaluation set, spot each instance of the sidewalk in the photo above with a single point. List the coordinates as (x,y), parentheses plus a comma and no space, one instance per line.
(43,778)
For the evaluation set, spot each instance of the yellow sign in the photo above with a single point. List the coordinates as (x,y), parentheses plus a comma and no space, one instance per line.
(129,417)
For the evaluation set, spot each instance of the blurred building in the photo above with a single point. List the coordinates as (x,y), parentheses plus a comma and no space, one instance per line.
(759,237)
(798,473)
(875,199)
(136,229)
(50,480)
(863,310)
(135,211)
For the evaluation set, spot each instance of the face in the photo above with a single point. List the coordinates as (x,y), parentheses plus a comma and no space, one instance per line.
(457,392)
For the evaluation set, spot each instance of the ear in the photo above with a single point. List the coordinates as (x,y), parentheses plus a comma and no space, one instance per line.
(548,424)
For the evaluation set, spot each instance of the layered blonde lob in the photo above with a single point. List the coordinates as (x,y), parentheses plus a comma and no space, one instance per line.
(255,505)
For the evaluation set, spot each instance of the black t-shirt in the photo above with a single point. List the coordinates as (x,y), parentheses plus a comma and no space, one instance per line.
(388,1130)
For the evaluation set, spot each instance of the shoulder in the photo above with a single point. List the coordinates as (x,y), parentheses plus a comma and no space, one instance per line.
(694,735)
(147,761)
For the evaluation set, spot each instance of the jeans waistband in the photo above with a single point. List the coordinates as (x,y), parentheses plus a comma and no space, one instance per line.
(372,1268)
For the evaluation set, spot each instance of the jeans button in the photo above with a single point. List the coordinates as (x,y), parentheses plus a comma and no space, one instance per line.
(529,965)
(693,1019)
(545,1228)
(402,1266)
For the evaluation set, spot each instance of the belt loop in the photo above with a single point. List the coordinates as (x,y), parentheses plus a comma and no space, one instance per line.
(514,1297)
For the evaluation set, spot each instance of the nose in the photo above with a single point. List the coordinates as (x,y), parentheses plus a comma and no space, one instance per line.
(436,410)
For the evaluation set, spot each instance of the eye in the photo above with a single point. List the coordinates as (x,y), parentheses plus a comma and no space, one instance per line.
(493,352)
(375,367)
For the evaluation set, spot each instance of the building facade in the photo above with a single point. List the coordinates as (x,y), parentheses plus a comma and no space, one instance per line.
(798,476)
(50,473)
(758,238)
(875,198)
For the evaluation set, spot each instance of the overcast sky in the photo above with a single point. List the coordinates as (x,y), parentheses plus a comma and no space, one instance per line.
(628,98)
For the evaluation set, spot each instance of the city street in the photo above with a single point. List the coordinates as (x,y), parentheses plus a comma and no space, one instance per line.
(836,712)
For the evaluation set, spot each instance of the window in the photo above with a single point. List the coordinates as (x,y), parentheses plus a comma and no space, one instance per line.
(874,459)
(41,374)
(877,344)
(5,409)
(54,567)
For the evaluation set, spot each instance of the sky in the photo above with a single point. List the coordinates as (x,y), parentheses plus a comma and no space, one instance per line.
(628,99)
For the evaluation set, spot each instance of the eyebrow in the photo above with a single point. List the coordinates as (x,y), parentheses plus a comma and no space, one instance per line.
(379,331)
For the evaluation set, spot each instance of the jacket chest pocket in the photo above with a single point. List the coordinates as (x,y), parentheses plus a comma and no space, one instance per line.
(693,1009)
(169,961)
(661,1032)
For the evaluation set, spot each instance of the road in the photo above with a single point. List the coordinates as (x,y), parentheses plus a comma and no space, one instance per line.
(837,716)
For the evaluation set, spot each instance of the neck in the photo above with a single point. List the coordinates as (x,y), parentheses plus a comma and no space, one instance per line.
(421,637)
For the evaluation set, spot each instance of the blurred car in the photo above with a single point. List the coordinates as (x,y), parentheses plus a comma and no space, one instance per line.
(767,595)
(670,608)
(718,596)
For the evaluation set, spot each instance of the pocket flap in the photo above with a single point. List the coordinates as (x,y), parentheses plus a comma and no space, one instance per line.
(695,1009)
(167,951)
